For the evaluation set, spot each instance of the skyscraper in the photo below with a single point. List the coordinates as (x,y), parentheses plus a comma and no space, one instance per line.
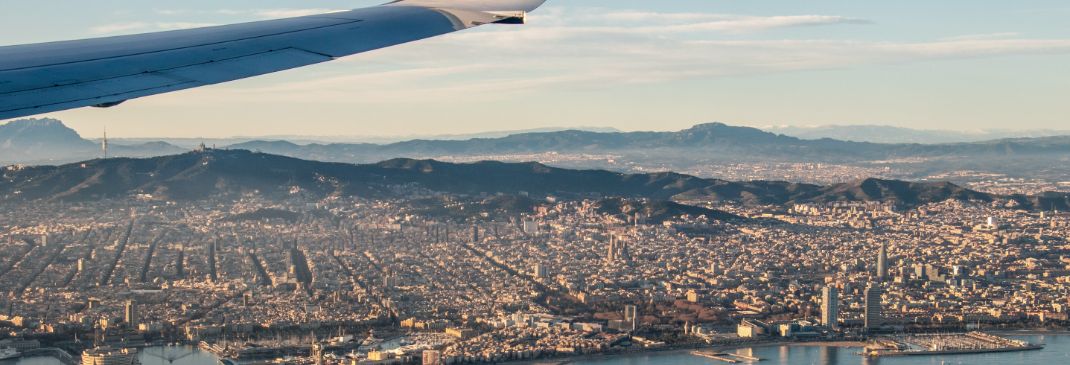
(874,317)
(882,263)
(131,315)
(830,308)
(631,317)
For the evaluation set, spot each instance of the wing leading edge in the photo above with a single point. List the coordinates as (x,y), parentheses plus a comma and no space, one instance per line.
(49,77)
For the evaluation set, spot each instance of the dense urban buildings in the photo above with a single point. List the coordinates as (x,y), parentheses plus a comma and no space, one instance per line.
(394,280)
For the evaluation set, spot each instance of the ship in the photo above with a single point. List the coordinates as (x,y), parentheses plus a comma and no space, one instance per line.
(8,353)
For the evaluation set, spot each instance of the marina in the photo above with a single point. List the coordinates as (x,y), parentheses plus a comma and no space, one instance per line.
(945,344)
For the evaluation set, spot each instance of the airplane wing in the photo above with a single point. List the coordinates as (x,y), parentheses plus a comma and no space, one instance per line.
(103,72)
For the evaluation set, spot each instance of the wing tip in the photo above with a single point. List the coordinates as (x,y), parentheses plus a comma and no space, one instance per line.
(475,5)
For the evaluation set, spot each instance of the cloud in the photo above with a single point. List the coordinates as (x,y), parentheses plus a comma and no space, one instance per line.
(277,13)
(697,22)
(973,37)
(131,27)
(118,27)
(593,50)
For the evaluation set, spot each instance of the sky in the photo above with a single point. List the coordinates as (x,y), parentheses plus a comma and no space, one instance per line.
(625,64)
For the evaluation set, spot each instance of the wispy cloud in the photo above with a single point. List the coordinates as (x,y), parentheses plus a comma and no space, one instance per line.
(277,13)
(646,22)
(595,49)
(974,37)
(119,27)
(130,27)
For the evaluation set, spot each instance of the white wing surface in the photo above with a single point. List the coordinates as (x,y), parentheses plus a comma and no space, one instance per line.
(103,72)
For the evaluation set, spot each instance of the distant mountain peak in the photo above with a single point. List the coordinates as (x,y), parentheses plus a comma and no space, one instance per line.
(41,139)
(37,127)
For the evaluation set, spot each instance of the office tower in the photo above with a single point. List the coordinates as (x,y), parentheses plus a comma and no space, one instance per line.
(540,271)
(475,234)
(873,316)
(130,314)
(830,308)
(631,317)
(882,263)
(432,357)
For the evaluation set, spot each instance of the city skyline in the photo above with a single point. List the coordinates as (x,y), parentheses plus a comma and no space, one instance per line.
(914,64)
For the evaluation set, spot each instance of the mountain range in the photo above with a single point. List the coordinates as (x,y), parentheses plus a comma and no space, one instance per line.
(712,141)
(233,173)
(39,141)
(890,134)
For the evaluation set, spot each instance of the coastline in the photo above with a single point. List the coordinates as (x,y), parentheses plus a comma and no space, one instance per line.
(681,351)
(1029,332)
(725,348)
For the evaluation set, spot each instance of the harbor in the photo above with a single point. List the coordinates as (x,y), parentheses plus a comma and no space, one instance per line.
(945,344)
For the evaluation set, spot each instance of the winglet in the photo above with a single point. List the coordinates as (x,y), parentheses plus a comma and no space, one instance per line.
(472,13)
(487,6)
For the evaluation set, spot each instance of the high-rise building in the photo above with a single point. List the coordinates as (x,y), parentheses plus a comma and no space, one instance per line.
(540,271)
(475,234)
(882,263)
(130,314)
(109,356)
(874,317)
(432,357)
(631,317)
(830,308)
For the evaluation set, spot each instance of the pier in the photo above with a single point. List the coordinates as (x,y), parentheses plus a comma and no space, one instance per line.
(731,358)
(52,352)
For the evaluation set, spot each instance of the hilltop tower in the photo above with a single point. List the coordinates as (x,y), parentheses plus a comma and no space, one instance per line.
(104,144)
